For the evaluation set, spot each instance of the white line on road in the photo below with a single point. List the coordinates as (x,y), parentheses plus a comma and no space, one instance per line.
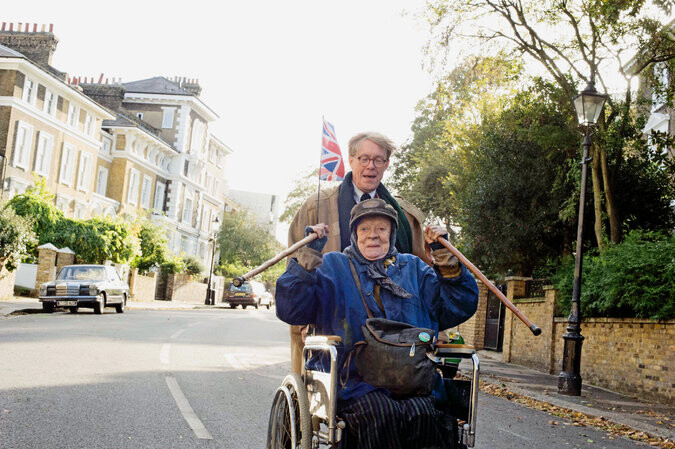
(164,354)
(186,410)
(514,434)
(176,334)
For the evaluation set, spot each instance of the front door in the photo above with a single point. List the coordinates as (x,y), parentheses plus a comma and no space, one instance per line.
(494,321)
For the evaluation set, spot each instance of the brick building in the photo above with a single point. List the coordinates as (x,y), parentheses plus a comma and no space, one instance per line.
(133,149)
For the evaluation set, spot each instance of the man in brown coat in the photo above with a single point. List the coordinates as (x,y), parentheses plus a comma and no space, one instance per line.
(369,155)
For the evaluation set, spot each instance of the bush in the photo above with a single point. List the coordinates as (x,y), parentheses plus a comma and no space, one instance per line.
(635,278)
(192,265)
(173,265)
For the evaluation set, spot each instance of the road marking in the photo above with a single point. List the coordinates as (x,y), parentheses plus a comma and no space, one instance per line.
(176,334)
(515,434)
(164,354)
(188,413)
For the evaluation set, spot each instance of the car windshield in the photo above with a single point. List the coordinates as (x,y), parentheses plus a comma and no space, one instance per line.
(81,274)
(245,288)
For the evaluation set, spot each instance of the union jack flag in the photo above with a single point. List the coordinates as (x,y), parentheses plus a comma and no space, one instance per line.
(332,165)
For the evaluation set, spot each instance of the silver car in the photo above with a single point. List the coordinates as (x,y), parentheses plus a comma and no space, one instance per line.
(91,286)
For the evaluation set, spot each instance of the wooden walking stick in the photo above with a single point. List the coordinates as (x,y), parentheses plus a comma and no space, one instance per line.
(265,265)
(467,263)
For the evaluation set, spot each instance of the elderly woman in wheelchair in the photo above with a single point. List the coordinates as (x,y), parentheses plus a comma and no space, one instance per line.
(368,384)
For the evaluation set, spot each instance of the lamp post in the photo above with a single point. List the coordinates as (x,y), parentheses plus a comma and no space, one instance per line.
(588,105)
(210,299)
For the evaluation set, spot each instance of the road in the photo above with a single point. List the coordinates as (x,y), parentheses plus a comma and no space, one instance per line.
(183,379)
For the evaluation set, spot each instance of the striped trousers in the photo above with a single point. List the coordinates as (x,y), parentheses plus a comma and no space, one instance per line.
(376,421)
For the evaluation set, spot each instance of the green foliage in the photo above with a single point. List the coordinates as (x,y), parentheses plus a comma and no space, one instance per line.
(16,237)
(154,250)
(93,241)
(306,183)
(231,270)
(192,265)
(173,265)
(635,278)
(242,241)
(269,277)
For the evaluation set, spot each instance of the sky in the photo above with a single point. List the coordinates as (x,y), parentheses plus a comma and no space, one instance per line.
(270,69)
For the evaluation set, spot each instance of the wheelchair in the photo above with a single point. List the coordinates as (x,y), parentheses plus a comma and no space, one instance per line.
(303,414)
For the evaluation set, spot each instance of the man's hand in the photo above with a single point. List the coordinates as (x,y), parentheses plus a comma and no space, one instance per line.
(321,230)
(432,233)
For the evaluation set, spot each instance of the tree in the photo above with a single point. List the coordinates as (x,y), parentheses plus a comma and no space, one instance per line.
(306,183)
(242,241)
(16,237)
(154,250)
(571,40)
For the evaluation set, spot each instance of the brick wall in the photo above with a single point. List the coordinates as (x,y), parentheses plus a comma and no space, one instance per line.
(142,287)
(473,329)
(183,288)
(6,283)
(629,355)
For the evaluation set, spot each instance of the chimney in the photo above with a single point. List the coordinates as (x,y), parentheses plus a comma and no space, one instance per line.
(109,95)
(36,46)
(192,86)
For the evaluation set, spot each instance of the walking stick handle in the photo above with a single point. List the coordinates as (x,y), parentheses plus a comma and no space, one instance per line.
(239,280)
(471,267)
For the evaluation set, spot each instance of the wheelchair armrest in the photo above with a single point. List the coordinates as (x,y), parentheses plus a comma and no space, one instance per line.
(454,350)
(315,340)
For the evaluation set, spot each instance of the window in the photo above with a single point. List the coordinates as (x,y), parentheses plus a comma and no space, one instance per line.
(219,160)
(197,140)
(167,119)
(22,145)
(29,91)
(106,146)
(145,191)
(67,165)
(43,154)
(160,188)
(212,155)
(139,115)
(187,210)
(102,181)
(87,124)
(84,172)
(132,193)
(216,186)
(661,77)
(73,115)
(50,102)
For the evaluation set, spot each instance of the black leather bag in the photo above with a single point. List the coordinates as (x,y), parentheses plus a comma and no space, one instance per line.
(393,354)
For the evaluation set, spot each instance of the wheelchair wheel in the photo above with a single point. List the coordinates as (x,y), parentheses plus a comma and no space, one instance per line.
(290,426)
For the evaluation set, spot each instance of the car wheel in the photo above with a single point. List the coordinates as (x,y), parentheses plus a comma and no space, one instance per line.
(73,309)
(233,306)
(48,307)
(244,306)
(257,305)
(100,304)
(268,306)
(120,307)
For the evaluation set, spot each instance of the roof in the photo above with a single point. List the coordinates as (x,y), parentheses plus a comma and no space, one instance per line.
(7,52)
(156,85)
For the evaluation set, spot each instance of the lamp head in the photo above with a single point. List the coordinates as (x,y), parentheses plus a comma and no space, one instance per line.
(588,105)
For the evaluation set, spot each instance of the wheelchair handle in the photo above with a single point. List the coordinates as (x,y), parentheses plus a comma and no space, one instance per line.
(467,263)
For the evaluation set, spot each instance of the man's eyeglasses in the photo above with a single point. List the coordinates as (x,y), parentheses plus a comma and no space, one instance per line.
(364,161)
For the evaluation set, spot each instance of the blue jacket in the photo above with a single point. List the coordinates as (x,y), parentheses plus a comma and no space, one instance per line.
(328,298)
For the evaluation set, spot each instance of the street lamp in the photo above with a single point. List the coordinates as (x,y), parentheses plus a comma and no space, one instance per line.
(588,105)
(211,299)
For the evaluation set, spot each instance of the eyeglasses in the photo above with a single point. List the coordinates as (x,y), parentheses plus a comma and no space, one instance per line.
(364,161)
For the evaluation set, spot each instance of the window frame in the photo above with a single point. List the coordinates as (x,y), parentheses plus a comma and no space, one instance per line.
(104,170)
(49,108)
(168,117)
(73,116)
(84,172)
(134,182)
(43,153)
(159,196)
(22,159)
(145,194)
(66,171)
(29,95)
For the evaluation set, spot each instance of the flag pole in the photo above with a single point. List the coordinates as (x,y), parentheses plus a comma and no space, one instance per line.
(318,188)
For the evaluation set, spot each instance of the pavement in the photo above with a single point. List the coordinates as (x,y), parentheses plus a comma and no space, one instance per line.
(654,419)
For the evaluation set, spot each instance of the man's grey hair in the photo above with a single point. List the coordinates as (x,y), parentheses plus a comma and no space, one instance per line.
(380,140)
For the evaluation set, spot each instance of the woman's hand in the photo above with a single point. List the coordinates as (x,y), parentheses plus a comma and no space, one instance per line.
(432,233)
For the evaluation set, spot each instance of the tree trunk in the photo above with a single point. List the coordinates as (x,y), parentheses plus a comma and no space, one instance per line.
(597,196)
(612,214)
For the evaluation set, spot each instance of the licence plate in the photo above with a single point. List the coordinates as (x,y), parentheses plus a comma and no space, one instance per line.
(66,303)
(240,294)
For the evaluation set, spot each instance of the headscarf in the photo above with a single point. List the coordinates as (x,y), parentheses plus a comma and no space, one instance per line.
(375,268)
